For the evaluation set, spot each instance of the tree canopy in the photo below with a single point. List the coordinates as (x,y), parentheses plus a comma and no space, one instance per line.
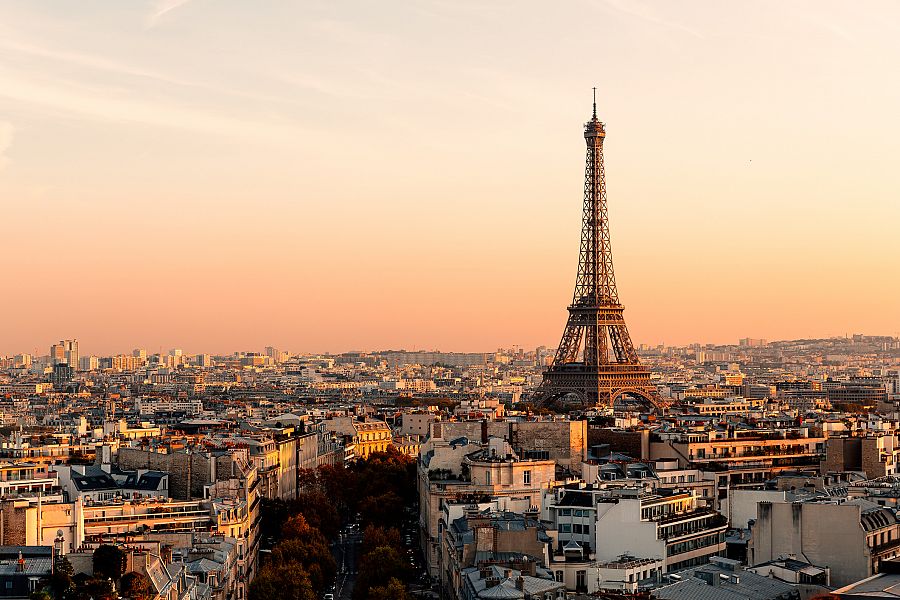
(137,586)
(109,562)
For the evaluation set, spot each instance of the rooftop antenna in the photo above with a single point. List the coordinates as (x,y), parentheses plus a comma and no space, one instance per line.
(595,103)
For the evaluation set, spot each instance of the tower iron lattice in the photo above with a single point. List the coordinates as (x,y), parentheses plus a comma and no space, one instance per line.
(596,361)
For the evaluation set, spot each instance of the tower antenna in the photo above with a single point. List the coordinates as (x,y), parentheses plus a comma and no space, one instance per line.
(595,103)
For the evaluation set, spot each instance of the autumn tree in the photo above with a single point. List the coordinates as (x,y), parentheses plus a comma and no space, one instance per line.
(374,536)
(96,588)
(109,562)
(137,586)
(288,581)
(382,510)
(394,590)
(378,567)
(307,546)
(319,512)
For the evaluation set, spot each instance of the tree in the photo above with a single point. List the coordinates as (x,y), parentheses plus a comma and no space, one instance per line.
(312,554)
(306,545)
(96,588)
(394,590)
(378,567)
(374,536)
(61,582)
(285,582)
(137,586)
(62,565)
(383,472)
(109,562)
(41,594)
(338,484)
(308,480)
(382,510)
(319,512)
(298,528)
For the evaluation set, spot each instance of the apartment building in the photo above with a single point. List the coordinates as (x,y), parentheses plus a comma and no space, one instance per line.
(366,437)
(850,537)
(485,537)
(458,469)
(874,453)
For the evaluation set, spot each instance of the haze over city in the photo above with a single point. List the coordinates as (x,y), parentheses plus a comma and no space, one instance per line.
(330,176)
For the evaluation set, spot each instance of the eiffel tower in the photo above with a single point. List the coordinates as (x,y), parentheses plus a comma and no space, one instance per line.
(595,362)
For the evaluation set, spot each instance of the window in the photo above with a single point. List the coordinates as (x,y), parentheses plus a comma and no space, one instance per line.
(487,477)
(526,477)
(565,512)
(581,581)
(559,576)
(565,528)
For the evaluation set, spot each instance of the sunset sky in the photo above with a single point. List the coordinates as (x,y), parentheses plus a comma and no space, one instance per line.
(328,176)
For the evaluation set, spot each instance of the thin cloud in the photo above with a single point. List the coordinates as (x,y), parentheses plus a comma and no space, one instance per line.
(98,104)
(645,13)
(106,65)
(161,9)
(88,61)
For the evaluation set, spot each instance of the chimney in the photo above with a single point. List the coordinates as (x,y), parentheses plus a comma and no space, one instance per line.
(491,581)
(520,583)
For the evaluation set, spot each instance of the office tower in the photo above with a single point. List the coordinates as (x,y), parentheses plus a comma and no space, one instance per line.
(62,374)
(66,351)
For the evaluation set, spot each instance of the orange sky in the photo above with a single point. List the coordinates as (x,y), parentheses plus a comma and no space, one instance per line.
(327,176)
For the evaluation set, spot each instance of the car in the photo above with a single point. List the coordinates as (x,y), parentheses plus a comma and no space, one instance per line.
(328,597)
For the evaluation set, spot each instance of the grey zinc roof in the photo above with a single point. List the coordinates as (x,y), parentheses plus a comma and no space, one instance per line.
(507,585)
(883,585)
(751,587)
(33,566)
(504,589)
(204,565)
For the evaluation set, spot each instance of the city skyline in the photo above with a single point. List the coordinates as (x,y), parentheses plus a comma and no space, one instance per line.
(175,350)
(443,300)
(214,204)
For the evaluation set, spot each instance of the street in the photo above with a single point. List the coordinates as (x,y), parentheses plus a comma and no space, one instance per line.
(346,557)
